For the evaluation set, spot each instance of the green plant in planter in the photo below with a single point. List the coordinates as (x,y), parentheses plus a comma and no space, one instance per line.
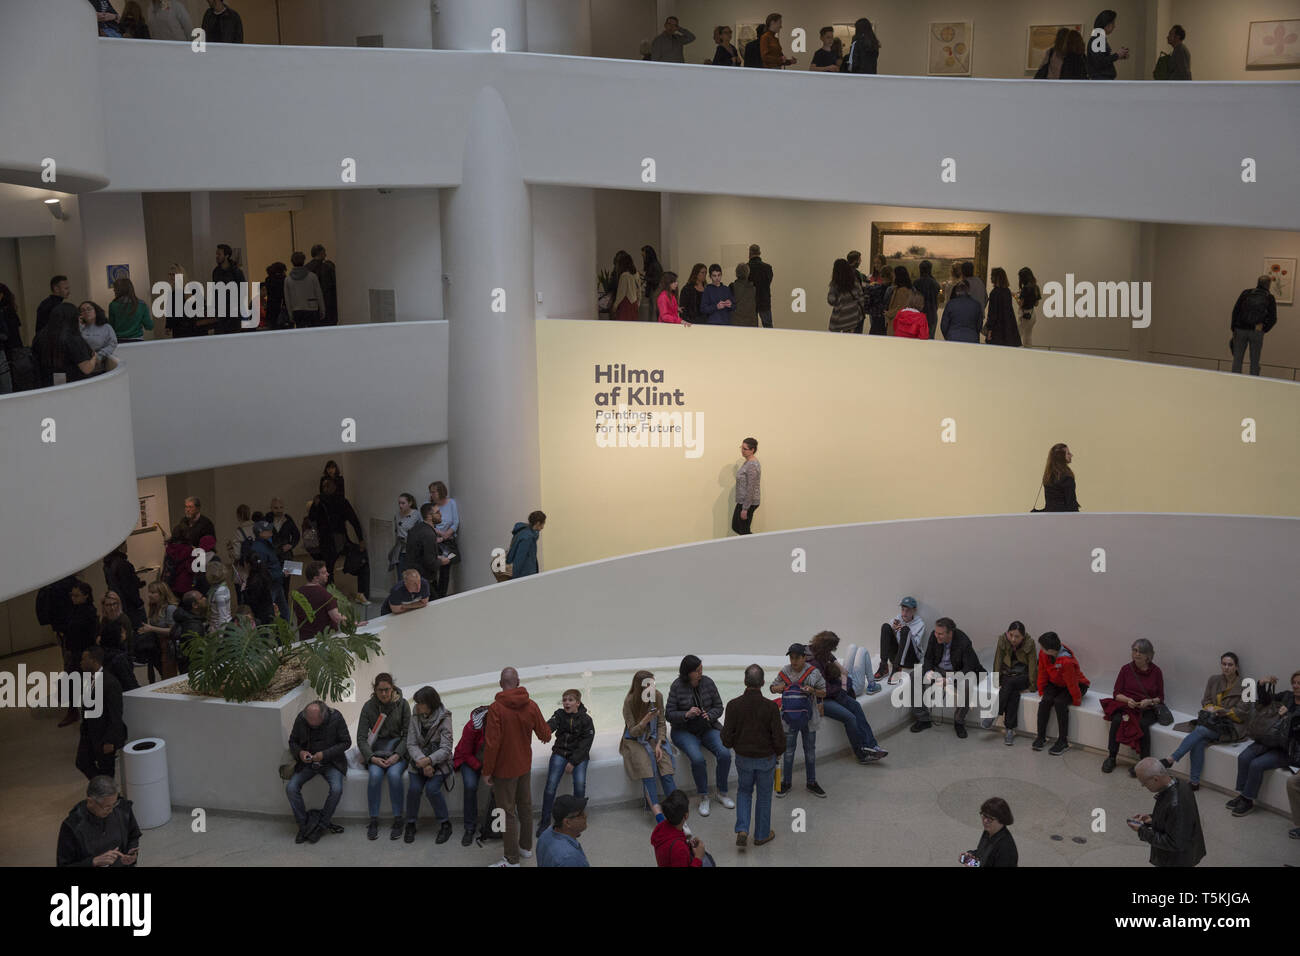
(239,661)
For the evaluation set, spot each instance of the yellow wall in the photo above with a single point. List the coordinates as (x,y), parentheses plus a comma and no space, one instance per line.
(849,430)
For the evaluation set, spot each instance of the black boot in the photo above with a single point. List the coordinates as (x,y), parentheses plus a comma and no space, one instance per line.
(372,829)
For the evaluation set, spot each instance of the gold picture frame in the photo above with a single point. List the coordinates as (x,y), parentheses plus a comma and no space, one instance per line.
(954,232)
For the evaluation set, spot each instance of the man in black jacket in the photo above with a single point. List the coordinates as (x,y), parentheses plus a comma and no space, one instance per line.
(99,831)
(222,24)
(120,576)
(760,273)
(949,655)
(103,732)
(1254,315)
(423,550)
(1173,827)
(197,525)
(319,741)
(60,289)
(80,631)
(329,287)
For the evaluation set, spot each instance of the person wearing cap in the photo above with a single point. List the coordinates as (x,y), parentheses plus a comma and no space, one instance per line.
(901,641)
(264,548)
(558,844)
(799,675)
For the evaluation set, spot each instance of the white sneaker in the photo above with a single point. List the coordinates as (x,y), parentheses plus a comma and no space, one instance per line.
(504,862)
(525,854)
(726,801)
(704,806)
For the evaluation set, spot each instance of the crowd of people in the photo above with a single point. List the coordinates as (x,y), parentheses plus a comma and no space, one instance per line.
(167,20)
(1073,55)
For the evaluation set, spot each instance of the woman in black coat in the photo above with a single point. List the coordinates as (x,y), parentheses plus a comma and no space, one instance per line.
(997,847)
(1058,480)
(1000,325)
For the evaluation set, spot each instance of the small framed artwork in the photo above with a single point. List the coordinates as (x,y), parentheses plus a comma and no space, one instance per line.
(1272,44)
(950,48)
(118,272)
(1282,272)
(1041,38)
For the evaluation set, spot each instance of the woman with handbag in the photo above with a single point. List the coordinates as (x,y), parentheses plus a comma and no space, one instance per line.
(1272,730)
(1016,663)
(1222,718)
(1136,704)
(381,738)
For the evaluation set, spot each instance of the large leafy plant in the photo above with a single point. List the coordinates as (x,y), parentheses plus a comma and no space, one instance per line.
(239,661)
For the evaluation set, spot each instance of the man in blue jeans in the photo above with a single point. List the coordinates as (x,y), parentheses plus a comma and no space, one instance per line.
(319,741)
(752,729)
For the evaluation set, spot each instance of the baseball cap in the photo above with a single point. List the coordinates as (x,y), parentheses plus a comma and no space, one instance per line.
(796,649)
(908,602)
(260,526)
(566,805)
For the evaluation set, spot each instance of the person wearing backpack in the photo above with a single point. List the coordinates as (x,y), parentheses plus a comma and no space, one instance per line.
(801,686)
(1252,317)
(752,729)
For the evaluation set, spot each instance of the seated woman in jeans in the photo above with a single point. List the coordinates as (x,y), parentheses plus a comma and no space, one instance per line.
(429,749)
(1258,759)
(383,750)
(694,712)
(1016,663)
(1222,719)
(840,703)
(645,751)
(468,759)
(1139,692)
(574,733)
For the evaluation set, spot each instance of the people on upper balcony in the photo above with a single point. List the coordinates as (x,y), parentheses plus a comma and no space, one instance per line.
(910,321)
(169,20)
(132,22)
(1253,315)
(667,300)
(691,294)
(303,297)
(327,275)
(667,46)
(626,306)
(1101,58)
(769,46)
(107,19)
(1000,324)
(725,53)
(1181,66)
(826,59)
(898,298)
(864,50)
(61,348)
(715,301)
(845,297)
(1027,298)
(1058,480)
(928,286)
(1054,59)
(745,308)
(962,316)
(222,24)
(1075,66)
(226,270)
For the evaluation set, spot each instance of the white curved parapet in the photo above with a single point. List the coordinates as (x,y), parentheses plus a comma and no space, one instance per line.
(1195,585)
(67,483)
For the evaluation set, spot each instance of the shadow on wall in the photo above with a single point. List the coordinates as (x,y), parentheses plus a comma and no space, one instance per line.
(726,501)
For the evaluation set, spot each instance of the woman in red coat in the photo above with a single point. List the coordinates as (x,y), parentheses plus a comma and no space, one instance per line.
(910,321)
(1060,684)
(1139,691)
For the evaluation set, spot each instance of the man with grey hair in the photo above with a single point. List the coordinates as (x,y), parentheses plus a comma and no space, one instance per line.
(1173,828)
(512,719)
(752,730)
(101,830)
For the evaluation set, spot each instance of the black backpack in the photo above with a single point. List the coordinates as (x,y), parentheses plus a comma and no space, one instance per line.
(753,55)
(24,370)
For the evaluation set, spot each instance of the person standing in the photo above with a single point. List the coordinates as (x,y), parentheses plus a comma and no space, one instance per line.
(96,330)
(752,728)
(285,535)
(169,20)
(265,551)
(325,613)
(667,47)
(864,51)
(1000,326)
(222,24)
(652,274)
(448,531)
(910,321)
(558,845)
(744,310)
(1058,480)
(725,52)
(60,289)
(1027,299)
(1054,58)
(962,316)
(303,296)
(422,550)
(997,848)
(522,555)
(769,46)
(826,60)
(760,273)
(101,830)
(692,293)
(928,286)
(197,525)
(1173,827)
(1253,315)
(128,315)
(405,519)
(626,305)
(666,301)
(899,296)
(512,720)
(747,490)
(103,736)
(1075,65)
(715,301)
(226,269)
(801,687)
(327,277)
(1101,62)
(1181,66)
(845,297)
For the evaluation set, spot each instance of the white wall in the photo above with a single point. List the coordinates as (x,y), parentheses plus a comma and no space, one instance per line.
(619,26)
(403,23)
(36,262)
(113,233)
(88,464)
(389,242)
(294,389)
(559,26)
(625,219)
(564,250)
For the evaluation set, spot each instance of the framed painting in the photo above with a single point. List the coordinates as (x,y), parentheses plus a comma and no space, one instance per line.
(943,243)
(1271,44)
(950,48)
(1041,37)
(117,272)
(1282,272)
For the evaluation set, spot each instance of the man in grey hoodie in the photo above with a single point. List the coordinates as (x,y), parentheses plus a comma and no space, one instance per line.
(303,298)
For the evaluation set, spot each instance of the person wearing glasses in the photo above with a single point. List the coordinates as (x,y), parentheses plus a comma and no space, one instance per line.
(726,53)
(101,830)
(997,847)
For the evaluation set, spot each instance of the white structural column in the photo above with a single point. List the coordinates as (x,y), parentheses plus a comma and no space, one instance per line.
(470,24)
(487,244)
(559,26)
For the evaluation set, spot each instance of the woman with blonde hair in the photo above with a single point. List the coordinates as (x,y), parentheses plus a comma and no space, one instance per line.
(150,637)
(1058,480)
(219,602)
(645,749)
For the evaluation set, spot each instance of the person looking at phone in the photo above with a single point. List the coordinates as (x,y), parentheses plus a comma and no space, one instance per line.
(902,641)
(997,847)
(101,830)
(1173,827)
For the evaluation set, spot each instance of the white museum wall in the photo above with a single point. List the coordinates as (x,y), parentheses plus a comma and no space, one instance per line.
(37,264)
(559,26)
(406,24)
(70,252)
(564,252)
(1201,272)
(998,31)
(801,240)
(393,242)
(626,219)
(113,233)
(23,211)
(618,27)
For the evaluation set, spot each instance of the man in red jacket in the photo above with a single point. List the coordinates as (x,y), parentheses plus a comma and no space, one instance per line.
(1060,684)
(512,719)
(672,846)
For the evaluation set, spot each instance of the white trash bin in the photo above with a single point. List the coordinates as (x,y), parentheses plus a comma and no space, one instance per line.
(144,772)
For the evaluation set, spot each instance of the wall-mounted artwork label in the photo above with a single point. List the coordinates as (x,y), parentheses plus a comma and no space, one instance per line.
(118,272)
(627,416)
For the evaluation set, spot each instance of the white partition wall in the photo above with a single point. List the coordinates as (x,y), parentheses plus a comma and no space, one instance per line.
(68,480)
